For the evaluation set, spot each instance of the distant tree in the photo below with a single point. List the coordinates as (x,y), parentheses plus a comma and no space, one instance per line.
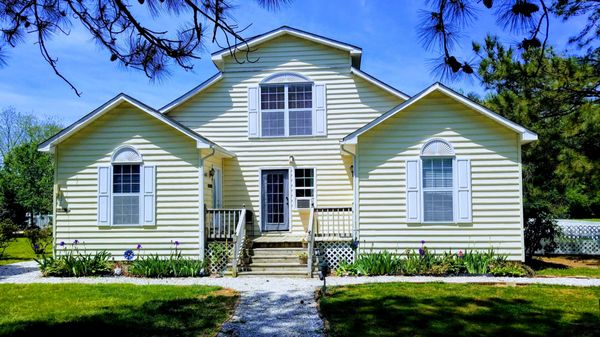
(118,28)
(26,176)
(12,129)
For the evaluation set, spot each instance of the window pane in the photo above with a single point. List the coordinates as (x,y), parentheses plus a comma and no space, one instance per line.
(126,209)
(126,178)
(273,123)
(300,123)
(300,96)
(304,182)
(272,97)
(437,173)
(437,206)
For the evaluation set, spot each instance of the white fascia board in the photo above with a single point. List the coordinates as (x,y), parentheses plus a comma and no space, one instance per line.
(188,95)
(526,135)
(378,83)
(217,57)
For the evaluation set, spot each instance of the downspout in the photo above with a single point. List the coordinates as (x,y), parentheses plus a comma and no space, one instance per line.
(354,193)
(201,215)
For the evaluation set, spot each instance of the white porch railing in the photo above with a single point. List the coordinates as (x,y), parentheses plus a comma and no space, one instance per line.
(239,241)
(333,222)
(222,223)
(311,242)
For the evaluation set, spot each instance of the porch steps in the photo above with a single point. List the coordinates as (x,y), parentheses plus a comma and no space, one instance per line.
(277,258)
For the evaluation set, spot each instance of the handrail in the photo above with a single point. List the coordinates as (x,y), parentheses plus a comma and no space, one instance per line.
(334,222)
(240,234)
(221,222)
(311,240)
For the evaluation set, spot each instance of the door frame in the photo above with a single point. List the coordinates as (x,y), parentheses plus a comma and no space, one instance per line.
(217,181)
(289,196)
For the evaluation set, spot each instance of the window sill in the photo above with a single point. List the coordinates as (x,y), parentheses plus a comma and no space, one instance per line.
(126,226)
(287,137)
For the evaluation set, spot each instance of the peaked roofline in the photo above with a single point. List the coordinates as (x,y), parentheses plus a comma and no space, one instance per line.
(527,136)
(201,142)
(379,83)
(183,98)
(355,51)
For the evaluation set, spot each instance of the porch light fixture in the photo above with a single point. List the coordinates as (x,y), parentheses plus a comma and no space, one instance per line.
(292,160)
(211,173)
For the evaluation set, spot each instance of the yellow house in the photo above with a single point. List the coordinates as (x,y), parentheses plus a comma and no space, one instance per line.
(297,151)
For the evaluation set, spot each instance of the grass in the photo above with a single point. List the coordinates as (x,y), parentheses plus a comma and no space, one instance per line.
(113,310)
(566,266)
(434,309)
(19,251)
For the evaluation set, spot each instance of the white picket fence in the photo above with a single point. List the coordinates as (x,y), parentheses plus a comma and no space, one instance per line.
(578,237)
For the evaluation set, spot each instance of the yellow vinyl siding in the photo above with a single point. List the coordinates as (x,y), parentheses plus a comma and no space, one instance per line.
(220,113)
(176,159)
(496,180)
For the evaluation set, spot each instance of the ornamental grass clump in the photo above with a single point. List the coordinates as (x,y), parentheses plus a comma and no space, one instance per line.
(156,266)
(76,262)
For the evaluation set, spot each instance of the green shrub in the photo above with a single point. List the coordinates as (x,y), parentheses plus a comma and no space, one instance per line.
(7,235)
(175,265)
(515,269)
(480,263)
(76,264)
(383,263)
(39,239)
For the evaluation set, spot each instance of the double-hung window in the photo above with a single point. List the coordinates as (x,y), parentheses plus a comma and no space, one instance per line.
(126,194)
(286,109)
(438,204)
(304,187)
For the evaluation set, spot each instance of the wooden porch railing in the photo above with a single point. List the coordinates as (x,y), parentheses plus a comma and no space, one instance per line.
(311,241)
(239,241)
(333,222)
(222,223)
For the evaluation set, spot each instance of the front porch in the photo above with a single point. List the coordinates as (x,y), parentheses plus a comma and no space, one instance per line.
(247,250)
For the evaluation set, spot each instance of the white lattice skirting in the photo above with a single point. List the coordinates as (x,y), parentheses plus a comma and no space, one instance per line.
(335,252)
(218,255)
(578,238)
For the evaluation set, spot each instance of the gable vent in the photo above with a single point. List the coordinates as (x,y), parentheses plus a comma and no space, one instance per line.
(437,147)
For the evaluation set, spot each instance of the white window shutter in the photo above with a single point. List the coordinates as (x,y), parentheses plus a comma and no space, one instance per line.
(104,213)
(320,116)
(149,195)
(253,111)
(463,185)
(413,194)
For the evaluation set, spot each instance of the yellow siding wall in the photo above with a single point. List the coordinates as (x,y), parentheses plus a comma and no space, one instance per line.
(496,180)
(220,113)
(176,159)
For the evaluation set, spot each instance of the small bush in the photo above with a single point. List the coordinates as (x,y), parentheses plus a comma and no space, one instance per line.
(515,269)
(76,264)
(39,239)
(384,263)
(7,235)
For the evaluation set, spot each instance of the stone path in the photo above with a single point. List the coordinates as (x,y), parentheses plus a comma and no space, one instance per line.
(274,306)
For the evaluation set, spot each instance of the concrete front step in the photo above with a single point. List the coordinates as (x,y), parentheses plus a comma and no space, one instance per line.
(288,251)
(274,259)
(273,273)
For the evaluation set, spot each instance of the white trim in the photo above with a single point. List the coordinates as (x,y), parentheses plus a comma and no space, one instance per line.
(286,110)
(453,189)
(188,95)
(124,147)
(217,57)
(526,136)
(522,220)
(379,83)
(201,142)
(285,77)
(314,188)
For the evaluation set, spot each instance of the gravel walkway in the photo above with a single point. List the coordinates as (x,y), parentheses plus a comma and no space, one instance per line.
(274,306)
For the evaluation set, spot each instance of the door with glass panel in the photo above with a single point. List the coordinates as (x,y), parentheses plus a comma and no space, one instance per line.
(275,200)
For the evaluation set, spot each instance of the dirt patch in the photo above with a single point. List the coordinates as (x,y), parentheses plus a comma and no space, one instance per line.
(566,261)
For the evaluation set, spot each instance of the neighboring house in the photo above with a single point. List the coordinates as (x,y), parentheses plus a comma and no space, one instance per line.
(300,144)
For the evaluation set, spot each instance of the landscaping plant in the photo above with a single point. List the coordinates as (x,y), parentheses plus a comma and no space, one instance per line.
(155,266)
(76,263)
(7,235)
(39,239)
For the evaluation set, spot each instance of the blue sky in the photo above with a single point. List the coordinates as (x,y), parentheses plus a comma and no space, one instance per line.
(386,30)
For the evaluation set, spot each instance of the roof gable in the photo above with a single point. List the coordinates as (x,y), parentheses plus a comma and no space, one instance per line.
(526,135)
(201,142)
(355,52)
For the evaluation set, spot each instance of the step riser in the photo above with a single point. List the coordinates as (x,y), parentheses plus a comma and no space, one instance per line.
(269,252)
(263,259)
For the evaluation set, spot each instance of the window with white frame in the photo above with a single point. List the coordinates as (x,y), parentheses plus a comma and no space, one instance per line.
(286,109)
(126,194)
(304,185)
(437,189)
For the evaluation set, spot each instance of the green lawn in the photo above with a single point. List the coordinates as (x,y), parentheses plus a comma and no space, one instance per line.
(461,309)
(568,272)
(19,251)
(566,265)
(112,310)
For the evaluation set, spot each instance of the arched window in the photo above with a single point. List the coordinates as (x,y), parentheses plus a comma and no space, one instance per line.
(286,105)
(437,164)
(126,186)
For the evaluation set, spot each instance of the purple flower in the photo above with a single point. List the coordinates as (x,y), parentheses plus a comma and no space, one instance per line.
(36,247)
(129,254)
(421,251)
(139,246)
(75,242)
(422,242)
(62,243)
(176,243)
(460,254)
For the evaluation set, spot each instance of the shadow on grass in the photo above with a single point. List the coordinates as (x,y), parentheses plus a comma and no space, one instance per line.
(201,316)
(13,270)
(393,315)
